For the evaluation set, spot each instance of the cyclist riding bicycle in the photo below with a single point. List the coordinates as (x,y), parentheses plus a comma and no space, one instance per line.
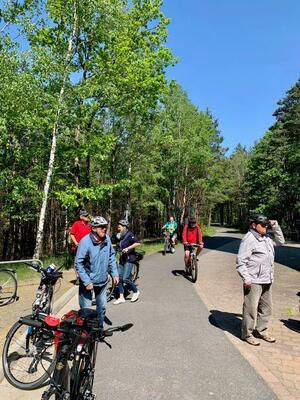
(171,228)
(191,234)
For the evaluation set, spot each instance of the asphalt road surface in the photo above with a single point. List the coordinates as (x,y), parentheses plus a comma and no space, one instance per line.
(172,351)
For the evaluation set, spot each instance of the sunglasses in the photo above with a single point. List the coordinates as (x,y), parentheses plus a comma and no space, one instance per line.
(102,226)
(264,225)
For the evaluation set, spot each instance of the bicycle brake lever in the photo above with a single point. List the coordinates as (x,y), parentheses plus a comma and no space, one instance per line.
(107,344)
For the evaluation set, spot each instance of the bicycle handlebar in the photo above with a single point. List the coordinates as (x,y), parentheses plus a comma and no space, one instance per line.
(102,333)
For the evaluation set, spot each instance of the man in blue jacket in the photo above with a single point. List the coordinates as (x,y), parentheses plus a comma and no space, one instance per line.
(95,258)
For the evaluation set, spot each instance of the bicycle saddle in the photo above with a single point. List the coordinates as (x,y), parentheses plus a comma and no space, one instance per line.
(88,313)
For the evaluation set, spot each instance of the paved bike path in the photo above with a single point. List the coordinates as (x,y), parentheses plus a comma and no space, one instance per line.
(172,351)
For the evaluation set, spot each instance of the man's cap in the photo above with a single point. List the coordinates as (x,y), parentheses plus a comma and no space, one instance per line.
(83,213)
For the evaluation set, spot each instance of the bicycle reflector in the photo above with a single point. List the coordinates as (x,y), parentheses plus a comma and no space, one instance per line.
(52,320)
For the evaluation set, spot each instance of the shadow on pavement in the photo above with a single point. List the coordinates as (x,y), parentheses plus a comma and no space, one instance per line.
(223,243)
(229,322)
(285,255)
(292,324)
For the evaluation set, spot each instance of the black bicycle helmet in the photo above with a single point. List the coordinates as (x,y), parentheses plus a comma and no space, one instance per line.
(123,222)
(258,219)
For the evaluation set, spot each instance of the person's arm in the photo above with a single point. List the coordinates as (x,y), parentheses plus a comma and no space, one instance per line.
(133,244)
(112,263)
(200,236)
(184,234)
(73,233)
(81,256)
(278,235)
(242,259)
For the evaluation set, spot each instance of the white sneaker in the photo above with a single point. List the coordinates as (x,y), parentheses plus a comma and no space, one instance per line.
(135,296)
(120,300)
(173,250)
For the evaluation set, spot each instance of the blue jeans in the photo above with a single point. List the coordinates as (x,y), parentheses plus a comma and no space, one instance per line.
(86,296)
(125,278)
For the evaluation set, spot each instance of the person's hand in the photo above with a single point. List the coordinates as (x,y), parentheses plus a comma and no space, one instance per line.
(185,243)
(125,250)
(247,285)
(273,222)
(201,245)
(89,286)
(116,280)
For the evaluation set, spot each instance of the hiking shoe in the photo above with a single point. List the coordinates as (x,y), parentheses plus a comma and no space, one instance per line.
(135,296)
(267,338)
(252,341)
(120,300)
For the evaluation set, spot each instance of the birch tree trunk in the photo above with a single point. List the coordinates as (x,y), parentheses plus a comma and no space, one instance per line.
(184,196)
(40,231)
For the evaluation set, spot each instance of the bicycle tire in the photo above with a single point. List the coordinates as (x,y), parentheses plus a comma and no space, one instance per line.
(27,358)
(63,377)
(135,272)
(77,370)
(8,287)
(86,377)
(165,248)
(194,269)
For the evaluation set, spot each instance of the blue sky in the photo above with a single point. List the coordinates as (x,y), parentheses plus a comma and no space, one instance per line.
(237,57)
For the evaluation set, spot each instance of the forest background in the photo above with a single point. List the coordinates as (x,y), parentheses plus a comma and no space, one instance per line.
(89,120)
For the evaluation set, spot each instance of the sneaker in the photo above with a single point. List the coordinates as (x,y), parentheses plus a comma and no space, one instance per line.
(135,296)
(252,341)
(172,250)
(77,281)
(265,337)
(120,300)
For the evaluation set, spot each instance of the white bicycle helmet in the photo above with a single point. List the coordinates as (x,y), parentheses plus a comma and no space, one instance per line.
(98,221)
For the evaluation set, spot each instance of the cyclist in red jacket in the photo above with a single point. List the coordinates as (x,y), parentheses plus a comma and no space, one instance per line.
(191,234)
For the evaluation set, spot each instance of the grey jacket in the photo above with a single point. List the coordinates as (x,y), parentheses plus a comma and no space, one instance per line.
(255,259)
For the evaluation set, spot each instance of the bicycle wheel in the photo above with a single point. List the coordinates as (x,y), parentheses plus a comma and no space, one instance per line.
(135,272)
(59,383)
(8,287)
(84,375)
(165,248)
(28,356)
(194,269)
(110,287)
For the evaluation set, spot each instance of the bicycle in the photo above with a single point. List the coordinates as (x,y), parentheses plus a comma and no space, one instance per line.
(192,268)
(77,336)
(168,244)
(26,348)
(8,286)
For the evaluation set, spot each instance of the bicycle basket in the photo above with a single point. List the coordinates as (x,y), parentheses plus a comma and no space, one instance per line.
(139,255)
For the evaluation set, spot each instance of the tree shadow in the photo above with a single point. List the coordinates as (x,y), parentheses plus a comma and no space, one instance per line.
(285,255)
(223,243)
(229,322)
(292,324)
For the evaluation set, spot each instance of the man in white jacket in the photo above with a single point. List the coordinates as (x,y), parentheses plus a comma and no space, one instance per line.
(255,265)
